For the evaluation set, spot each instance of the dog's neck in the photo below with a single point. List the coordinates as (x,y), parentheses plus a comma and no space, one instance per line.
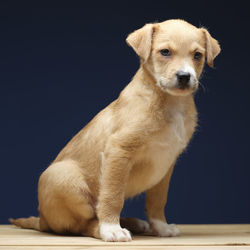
(147,78)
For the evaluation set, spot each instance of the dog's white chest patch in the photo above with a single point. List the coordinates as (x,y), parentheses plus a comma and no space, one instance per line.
(178,128)
(156,158)
(165,147)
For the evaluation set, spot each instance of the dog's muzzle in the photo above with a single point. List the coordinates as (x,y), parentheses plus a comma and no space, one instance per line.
(183,79)
(182,82)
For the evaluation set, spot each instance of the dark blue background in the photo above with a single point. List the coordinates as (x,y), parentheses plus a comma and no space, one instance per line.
(62,62)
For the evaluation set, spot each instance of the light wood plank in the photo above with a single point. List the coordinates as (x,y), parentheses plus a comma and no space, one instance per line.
(191,235)
(126,248)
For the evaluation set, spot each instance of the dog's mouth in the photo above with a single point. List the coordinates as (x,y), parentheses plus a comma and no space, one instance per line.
(180,89)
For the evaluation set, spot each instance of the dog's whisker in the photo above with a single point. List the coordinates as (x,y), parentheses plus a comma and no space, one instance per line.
(202,86)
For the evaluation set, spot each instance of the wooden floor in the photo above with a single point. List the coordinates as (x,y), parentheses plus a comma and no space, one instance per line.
(192,237)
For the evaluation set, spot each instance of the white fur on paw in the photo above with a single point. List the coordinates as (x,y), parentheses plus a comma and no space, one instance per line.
(163,229)
(113,232)
(143,226)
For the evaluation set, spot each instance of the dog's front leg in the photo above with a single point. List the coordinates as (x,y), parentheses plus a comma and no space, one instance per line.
(115,172)
(156,199)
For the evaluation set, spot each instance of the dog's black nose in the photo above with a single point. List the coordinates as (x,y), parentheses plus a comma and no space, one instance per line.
(183,79)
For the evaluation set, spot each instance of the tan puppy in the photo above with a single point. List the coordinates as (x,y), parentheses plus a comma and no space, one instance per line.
(131,146)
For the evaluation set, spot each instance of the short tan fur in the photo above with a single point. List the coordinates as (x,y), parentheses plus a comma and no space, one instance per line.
(131,146)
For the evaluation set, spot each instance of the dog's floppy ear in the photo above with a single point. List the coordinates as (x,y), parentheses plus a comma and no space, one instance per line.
(212,47)
(141,41)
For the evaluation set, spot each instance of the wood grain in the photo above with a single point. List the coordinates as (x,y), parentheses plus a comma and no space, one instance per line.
(192,237)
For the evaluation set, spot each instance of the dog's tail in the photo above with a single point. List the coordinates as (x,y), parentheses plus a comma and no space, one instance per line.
(28,223)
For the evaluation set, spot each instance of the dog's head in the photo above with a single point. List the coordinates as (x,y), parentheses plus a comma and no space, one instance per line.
(174,53)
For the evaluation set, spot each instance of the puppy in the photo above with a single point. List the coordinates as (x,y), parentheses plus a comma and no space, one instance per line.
(131,146)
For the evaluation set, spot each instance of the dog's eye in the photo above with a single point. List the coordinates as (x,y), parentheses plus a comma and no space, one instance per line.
(165,52)
(197,56)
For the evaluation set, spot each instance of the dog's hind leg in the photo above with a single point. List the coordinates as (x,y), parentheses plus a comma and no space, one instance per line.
(92,229)
(65,200)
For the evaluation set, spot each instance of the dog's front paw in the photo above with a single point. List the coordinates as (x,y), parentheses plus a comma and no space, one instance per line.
(163,229)
(113,232)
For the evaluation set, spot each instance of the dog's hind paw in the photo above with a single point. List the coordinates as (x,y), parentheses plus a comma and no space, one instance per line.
(136,226)
(143,226)
(163,229)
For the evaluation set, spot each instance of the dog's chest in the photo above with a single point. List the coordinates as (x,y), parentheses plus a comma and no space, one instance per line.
(161,152)
(167,145)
